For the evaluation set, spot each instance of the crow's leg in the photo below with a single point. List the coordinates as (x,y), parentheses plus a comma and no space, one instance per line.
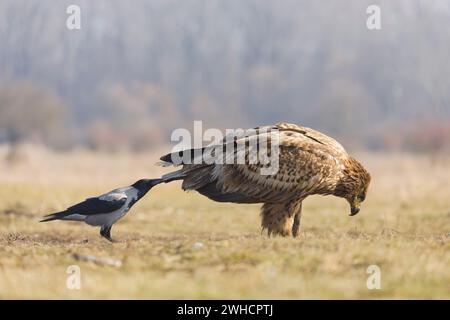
(105,232)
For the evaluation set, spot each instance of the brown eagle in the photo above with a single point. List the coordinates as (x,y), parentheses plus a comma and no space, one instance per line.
(309,162)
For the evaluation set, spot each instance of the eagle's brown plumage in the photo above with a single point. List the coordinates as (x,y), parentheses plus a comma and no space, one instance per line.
(310,163)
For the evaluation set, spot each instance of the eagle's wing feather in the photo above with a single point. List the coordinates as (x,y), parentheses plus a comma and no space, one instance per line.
(305,167)
(309,162)
(312,134)
(212,191)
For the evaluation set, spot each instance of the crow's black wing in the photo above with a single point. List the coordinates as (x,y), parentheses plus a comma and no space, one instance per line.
(103,204)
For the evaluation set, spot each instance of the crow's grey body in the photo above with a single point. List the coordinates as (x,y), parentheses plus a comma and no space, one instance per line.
(129,194)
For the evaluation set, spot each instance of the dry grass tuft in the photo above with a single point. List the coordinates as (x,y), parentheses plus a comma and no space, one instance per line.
(178,245)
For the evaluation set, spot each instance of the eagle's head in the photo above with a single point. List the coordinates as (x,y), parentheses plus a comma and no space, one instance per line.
(353,184)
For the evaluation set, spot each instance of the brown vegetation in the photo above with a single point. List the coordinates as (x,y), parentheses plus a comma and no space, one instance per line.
(180,245)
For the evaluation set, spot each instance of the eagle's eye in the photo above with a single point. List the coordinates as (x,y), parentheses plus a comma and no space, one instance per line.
(362,197)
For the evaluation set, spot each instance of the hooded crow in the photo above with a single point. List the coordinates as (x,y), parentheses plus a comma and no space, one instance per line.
(105,210)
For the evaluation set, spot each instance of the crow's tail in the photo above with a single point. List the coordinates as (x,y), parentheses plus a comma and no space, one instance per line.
(54,216)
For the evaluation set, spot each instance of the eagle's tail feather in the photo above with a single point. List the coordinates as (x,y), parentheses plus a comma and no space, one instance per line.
(172,176)
(188,156)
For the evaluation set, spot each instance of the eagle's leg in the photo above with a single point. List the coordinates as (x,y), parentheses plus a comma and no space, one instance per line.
(297,217)
(105,232)
(279,218)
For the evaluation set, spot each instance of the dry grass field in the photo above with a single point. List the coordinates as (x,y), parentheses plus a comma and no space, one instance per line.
(179,245)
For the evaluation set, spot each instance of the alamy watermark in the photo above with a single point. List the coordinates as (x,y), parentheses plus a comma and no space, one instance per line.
(374,280)
(373,21)
(73,281)
(259,147)
(73,21)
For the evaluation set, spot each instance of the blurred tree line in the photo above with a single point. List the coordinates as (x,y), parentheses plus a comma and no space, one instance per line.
(138,69)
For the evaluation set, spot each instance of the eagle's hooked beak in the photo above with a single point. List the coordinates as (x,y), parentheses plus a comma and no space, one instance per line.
(354,211)
(355,207)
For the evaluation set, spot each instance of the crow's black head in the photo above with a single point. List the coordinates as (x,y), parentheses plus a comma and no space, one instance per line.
(144,185)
